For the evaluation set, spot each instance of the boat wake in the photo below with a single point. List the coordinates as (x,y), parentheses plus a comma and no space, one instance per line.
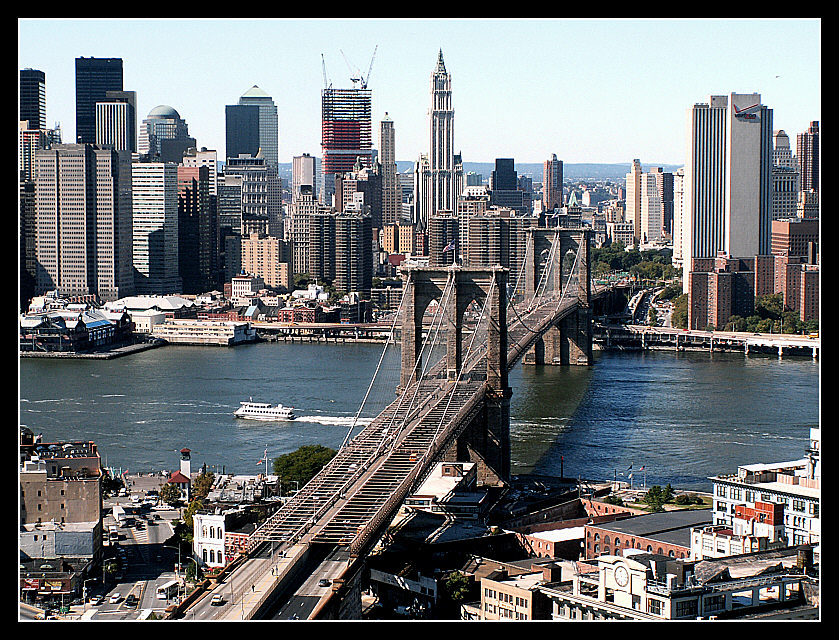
(341,421)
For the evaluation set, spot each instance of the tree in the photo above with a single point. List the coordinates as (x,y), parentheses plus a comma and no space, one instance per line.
(679,319)
(301,465)
(202,484)
(169,493)
(455,589)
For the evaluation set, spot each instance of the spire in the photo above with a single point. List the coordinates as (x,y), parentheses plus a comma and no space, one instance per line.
(441,66)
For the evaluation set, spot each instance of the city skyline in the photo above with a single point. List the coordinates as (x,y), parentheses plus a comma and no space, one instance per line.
(603,91)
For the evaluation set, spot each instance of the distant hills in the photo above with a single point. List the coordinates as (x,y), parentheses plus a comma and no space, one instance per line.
(571,171)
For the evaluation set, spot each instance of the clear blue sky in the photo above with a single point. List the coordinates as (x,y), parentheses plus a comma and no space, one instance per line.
(587,90)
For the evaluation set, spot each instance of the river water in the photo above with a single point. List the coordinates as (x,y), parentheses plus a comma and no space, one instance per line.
(681,416)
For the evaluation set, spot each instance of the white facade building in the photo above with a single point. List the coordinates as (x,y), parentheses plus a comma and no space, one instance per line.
(728,189)
(155,227)
(795,484)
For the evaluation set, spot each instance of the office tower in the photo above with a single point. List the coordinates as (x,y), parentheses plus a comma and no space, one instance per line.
(391,195)
(261,195)
(303,175)
(678,215)
(116,121)
(251,126)
(728,186)
(94,78)
(552,184)
(155,228)
(83,232)
(33,98)
(164,135)
(29,141)
(204,157)
(633,198)
(196,230)
(441,141)
(504,186)
(422,193)
(345,134)
(785,179)
(807,151)
(229,212)
(366,181)
(656,204)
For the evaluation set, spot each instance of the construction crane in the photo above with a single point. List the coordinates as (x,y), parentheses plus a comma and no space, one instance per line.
(326,83)
(355,73)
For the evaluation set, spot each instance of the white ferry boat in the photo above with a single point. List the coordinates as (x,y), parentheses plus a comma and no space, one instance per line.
(264,411)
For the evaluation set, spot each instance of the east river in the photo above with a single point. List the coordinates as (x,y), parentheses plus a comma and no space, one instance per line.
(682,417)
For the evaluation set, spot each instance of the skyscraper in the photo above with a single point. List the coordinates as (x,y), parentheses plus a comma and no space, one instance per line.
(552,184)
(33,98)
(785,178)
(83,233)
(633,198)
(441,140)
(807,150)
(94,77)
(116,121)
(261,195)
(391,200)
(196,230)
(303,175)
(728,180)
(164,135)
(346,133)
(251,126)
(155,227)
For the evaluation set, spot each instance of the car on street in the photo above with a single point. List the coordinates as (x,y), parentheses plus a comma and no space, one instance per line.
(217,600)
(96,600)
(324,582)
(131,600)
(115,598)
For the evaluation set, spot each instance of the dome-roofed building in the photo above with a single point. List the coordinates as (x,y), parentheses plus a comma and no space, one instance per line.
(164,135)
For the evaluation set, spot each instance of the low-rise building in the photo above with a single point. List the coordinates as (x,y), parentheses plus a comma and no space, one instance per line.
(204,332)
(796,485)
(644,586)
(667,533)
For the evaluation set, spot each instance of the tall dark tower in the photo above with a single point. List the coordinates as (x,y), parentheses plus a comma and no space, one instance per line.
(33,98)
(94,77)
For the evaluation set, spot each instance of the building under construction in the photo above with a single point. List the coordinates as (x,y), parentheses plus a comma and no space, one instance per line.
(346,134)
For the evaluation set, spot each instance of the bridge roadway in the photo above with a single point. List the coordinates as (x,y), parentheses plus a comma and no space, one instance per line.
(350,501)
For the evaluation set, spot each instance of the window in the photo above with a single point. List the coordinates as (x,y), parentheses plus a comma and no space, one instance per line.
(686,608)
(654,606)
